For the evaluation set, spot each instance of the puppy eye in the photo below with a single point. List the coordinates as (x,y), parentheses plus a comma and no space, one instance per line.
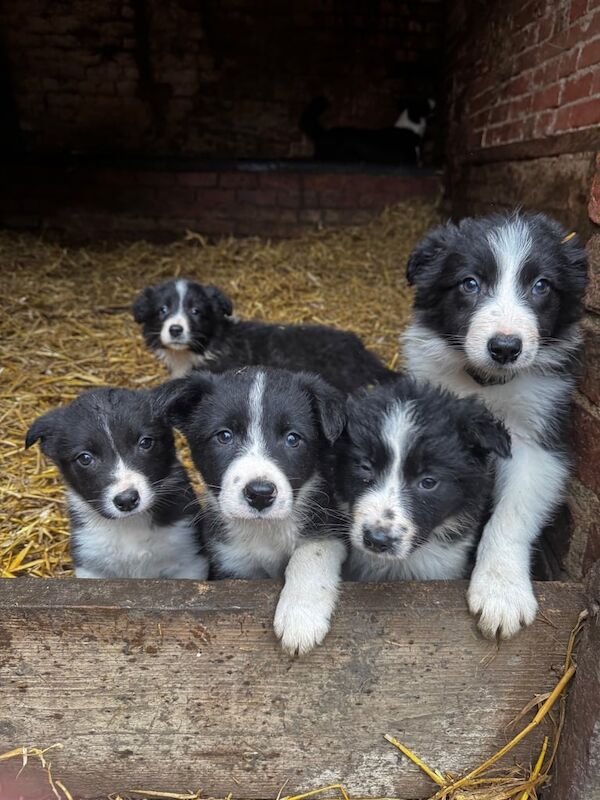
(85,459)
(224,437)
(292,439)
(194,311)
(146,442)
(428,483)
(540,287)
(470,285)
(365,468)
(163,310)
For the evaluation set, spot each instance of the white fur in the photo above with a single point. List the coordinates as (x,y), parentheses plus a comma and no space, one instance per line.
(179,317)
(133,547)
(530,485)
(309,595)
(254,464)
(504,310)
(126,478)
(436,559)
(404,121)
(387,494)
(181,362)
(257,548)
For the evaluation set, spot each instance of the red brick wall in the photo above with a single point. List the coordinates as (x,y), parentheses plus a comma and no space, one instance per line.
(523,70)
(99,202)
(217,78)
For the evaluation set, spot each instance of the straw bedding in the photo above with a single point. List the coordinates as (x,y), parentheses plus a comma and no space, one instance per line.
(66,326)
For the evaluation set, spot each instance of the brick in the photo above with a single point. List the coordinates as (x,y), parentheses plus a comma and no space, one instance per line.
(589,55)
(205,179)
(212,198)
(256,197)
(594,202)
(238,180)
(577,88)
(586,436)
(590,381)
(580,115)
(578,9)
(546,99)
(156,178)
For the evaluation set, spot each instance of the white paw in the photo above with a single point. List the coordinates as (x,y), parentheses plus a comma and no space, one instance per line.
(504,601)
(300,623)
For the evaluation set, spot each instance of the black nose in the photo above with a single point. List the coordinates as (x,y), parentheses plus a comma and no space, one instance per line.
(505,349)
(260,494)
(127,500)
(377,539)
(175,331)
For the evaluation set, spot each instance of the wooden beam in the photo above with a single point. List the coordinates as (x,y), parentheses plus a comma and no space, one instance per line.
(587,140)
(577,773)
(177,685)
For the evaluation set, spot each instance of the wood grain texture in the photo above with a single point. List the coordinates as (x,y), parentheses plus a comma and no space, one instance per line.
(177,685)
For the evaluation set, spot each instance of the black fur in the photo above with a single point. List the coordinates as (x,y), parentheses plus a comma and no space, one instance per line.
(453,441)
(339,357)
(378,145)
(205,405)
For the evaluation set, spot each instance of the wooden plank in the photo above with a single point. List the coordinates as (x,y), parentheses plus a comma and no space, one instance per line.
(570,142)
(577,772)
(177,685)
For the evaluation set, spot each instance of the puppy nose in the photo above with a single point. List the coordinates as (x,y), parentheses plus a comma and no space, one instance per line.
(175,331)
(127,500)
(377,539)
(260,494)
(505,349)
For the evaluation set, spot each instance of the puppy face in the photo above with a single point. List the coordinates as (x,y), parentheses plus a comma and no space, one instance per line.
(257,436)
(112,449)
(502,290)
(411,460)
(181,314)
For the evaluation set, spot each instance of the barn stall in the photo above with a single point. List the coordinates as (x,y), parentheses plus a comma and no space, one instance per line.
(143,141)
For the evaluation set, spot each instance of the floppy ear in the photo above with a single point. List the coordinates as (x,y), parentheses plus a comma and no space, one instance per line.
(176,400)
(329,405)
(221,304)
(45,430)
(427,259)
(143,305)
(482,431)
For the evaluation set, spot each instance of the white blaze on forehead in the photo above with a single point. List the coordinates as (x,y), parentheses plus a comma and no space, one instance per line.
(505,309)
(256,439)
(254,463)
(178,317)
(124,478)
(388,494)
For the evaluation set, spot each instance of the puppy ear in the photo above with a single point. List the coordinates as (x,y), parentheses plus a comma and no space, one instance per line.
(329,405)
(483,432)
(143,305)
(221,304)
(176,400)
(428,257)
(45,430)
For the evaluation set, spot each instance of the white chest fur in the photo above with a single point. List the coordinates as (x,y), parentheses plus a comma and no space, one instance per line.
(525,404)
(134,548)
(255,549)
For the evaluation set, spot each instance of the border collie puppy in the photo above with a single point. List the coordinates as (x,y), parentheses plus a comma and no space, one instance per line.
(261,439)
(496,312)
(189,325)
(399,144)
(132,508)
(415,470)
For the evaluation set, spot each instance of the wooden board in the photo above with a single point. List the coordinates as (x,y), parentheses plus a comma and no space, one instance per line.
(177,685)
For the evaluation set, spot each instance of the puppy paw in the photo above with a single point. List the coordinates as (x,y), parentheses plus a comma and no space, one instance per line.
(300,623)
(504,602)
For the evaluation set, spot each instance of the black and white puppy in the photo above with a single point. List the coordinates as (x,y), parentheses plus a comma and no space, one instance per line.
(189,326)
(261,439)
(397,144)
(496,312)
(415,471)
(132,508)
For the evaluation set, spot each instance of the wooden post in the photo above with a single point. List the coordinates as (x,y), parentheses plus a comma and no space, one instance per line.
(577,772)
(175,685)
